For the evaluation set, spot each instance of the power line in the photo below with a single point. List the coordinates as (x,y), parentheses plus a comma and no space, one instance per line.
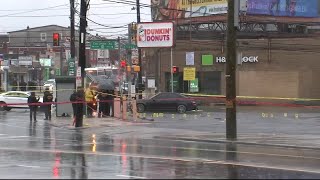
(66,15)
(98,7)
(33,10)
(100,23)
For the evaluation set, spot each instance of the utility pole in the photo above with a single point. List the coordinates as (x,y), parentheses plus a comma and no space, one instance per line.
(72,33)
(231,110)
(82,52)
(119,54)
(139,54)
(130,32)
(82,38)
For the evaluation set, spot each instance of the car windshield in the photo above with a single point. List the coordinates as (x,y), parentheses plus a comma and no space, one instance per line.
(50,82)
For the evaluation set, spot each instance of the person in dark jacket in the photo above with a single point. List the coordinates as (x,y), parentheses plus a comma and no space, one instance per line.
(80,106)
(23,85)
(73,100)
(47,99)
(103,104)
(110,98)
(14,85)
(33,108)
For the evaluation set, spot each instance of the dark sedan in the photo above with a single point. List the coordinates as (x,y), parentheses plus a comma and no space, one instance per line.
(166,101)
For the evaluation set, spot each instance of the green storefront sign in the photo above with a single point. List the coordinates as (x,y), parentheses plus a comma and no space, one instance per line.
(194,85)
(104,44)
(175,84)
(71,67)
(129,46)
(58,73)
(46,74)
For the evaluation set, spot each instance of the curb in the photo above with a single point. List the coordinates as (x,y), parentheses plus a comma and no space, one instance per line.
(237,142)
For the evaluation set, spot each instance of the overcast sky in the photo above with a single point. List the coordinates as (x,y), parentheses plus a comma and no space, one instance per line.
(18,14)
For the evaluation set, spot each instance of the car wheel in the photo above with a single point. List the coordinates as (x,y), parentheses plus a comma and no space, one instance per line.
(140,108)
(181,109)
(3,106)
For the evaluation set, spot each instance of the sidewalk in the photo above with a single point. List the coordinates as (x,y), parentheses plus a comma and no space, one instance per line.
(66,122)
(286,141)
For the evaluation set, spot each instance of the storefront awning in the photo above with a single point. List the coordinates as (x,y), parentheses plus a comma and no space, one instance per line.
(18,70)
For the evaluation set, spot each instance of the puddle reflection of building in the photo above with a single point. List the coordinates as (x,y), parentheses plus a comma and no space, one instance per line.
(79,165)
(232,156)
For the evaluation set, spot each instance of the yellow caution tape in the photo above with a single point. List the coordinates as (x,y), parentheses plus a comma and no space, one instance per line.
(254,97)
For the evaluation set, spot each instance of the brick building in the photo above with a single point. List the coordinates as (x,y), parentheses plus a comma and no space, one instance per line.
(287,67)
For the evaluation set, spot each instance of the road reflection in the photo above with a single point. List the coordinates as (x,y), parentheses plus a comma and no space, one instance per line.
(232,156)
(47,135)
(79,165)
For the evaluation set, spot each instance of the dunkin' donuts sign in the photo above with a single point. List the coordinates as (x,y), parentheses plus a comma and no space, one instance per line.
(155,35)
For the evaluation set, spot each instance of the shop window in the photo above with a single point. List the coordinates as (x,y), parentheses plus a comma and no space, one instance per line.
(210,82)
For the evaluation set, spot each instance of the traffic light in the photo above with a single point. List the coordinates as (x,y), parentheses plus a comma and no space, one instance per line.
(133,32)
(56,39)
(123,64)
(175,69)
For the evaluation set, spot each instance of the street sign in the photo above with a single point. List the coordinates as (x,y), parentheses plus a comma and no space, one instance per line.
(194,85)
(71,67)
(129,46)
(58,72)
(189,73)
(104,45)
(78,77)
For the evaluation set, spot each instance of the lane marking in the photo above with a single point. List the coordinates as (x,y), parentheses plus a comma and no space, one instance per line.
(262,166)
(29,166)
(196,160)
(13,137)
(135,177)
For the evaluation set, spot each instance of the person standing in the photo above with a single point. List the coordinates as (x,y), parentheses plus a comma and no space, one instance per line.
(103,104)
(23,85)
(33,108)
(110,100)
(47,99)
(79,108)
(73,99)
(89,97)
(14,85)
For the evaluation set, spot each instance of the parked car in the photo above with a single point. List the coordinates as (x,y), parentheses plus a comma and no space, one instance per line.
(15,99)
(167,101)
(50,84)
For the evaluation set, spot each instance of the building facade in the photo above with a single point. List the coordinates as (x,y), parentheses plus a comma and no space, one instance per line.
(266,67)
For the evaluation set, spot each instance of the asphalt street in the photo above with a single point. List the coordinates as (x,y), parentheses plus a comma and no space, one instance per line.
(140,151)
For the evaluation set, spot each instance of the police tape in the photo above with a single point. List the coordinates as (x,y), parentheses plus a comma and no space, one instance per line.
(194,100)
(253,97)
(217,116)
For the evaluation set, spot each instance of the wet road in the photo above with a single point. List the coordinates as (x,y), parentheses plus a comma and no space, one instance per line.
(39,150)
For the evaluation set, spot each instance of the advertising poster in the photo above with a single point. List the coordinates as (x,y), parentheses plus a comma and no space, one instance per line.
(190,58)
(176,9)
(294,8)
(189,73)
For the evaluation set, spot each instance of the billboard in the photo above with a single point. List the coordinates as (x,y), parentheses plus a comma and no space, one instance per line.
(176,9)
(293,8)
(162,10)
(155,35)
